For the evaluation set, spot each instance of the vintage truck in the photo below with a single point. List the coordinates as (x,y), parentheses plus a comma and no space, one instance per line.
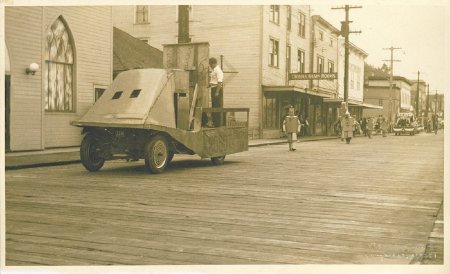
(153,114)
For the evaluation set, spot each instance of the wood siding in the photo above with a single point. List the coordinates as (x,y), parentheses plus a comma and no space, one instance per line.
(277,76)
(235,35)
(91,28)
(24,44)
(329,53)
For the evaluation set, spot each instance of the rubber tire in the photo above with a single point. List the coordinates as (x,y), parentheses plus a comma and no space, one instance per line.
(156,146)
(171,154)
(348,140)
(88,147)
(217,161)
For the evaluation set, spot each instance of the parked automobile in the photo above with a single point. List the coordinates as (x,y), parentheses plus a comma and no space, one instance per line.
(406,124)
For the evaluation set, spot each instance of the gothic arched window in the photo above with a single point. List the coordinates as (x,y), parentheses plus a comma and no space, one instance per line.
(58,71)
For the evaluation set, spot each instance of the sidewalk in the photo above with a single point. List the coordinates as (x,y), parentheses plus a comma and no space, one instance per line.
(63,156)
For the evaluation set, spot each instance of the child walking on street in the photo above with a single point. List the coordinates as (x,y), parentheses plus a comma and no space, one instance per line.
(291,126)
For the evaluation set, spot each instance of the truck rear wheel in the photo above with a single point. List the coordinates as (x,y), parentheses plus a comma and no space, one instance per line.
(217,161)
(156,154)
(90,153)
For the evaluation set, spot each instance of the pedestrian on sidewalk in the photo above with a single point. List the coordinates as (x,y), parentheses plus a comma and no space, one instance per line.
(291,126)
(384,126)
(348,125)
(369,127)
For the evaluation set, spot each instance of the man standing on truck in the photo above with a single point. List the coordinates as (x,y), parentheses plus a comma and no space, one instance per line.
(216,84)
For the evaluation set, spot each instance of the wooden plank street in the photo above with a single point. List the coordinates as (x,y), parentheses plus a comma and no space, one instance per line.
(374,201)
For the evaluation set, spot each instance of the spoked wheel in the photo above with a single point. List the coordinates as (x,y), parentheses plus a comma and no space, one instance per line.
(90,153)
(157,154)
(217,161)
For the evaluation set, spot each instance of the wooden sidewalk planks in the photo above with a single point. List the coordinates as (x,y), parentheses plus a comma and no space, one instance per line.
(240,213)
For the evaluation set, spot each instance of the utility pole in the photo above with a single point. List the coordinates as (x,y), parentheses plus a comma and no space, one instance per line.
(390,80)
(183,24)
(428,96)
(345,31)
(435,103)
(417,94)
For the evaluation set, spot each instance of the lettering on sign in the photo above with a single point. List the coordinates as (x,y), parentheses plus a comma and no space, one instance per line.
(312,76)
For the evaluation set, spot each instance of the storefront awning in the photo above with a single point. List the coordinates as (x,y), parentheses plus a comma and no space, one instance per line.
(351,104)
(333,100)
(365,105)
(283,89)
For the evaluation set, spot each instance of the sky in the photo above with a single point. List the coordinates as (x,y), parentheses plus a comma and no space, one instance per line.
(420,30)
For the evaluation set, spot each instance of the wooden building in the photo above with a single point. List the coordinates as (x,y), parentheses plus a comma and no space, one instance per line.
(257,47)
(395,101)
(56,58)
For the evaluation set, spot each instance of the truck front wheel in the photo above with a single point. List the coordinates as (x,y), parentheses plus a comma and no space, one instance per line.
(90,153)
(156,154)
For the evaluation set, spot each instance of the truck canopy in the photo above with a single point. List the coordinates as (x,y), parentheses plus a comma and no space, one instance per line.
(135,98)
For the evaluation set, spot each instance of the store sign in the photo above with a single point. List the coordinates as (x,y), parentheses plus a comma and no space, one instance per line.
(312,76)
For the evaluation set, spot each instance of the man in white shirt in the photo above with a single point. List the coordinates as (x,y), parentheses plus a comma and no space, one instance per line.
(216,84)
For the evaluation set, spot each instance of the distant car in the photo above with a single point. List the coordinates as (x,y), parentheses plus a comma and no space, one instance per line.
(405,126)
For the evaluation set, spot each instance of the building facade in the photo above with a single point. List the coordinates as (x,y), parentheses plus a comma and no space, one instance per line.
(399,100)
(56,59)
(257,47)
(324,59)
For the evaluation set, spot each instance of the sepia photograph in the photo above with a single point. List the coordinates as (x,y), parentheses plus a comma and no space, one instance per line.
(224,137)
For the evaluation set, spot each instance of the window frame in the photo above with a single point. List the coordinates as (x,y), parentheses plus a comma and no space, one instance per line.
(272,42)
(288,58)
(320,64)
(274,14)
(146,13)
(301,24)
(72,108)
(331,66)
(301,65)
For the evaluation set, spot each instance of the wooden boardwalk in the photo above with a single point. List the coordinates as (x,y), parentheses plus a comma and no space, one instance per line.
(373,201)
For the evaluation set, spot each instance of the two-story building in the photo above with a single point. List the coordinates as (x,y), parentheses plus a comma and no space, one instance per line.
(257,47)
(394,100)
(56,58)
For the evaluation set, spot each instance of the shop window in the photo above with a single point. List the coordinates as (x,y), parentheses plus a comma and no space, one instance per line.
(270,113)
(59,68)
